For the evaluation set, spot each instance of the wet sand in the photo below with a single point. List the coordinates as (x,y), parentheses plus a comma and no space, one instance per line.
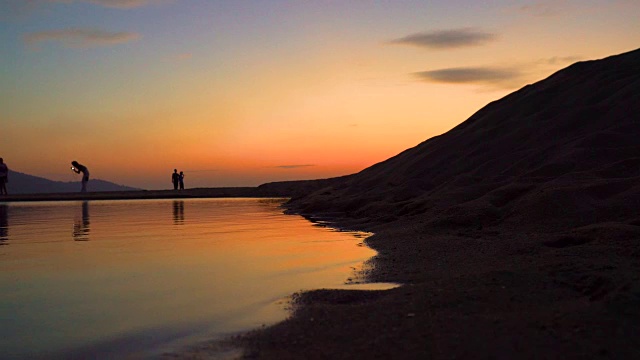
(473,294)
(228,192)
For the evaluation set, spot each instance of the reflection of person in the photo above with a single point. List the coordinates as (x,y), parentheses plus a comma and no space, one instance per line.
(175,179)
(178,212)
(181,179)
(79,168)
(81,228)
(4,177)
(4,224)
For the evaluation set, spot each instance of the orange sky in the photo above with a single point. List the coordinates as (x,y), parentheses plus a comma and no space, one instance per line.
(239,94)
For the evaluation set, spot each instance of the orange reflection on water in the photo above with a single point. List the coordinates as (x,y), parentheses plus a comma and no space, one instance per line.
(179,268)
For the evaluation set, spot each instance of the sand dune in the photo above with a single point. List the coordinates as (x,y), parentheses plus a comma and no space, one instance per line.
(567,146)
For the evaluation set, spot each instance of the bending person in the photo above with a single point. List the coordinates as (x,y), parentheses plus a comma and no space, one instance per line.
(79,168)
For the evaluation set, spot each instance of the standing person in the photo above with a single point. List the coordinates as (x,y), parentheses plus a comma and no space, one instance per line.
(79,168)
(175,179)
(181,179)
(4,177)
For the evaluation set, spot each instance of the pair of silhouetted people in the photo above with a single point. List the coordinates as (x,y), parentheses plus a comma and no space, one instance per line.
(177,179)
(79,168)
(4,177)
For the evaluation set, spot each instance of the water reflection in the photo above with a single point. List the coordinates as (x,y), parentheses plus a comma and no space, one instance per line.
(143,283)
(178,212)
(81,227)
(4,224)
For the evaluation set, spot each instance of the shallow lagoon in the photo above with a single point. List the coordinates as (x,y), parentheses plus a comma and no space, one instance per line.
(138,278)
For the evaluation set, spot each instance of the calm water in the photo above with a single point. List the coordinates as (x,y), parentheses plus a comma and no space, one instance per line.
(136,278)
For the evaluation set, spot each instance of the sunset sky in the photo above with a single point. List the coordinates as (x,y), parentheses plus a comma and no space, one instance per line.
(241,92)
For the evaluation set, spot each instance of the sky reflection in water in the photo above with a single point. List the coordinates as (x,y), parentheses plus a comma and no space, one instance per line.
(122,277)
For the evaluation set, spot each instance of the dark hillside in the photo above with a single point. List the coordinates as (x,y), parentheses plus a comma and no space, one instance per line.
(565,150)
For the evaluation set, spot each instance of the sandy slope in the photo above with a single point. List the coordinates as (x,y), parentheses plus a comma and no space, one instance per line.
(517,234)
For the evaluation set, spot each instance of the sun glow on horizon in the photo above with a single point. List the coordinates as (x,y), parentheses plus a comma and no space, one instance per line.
(243,94)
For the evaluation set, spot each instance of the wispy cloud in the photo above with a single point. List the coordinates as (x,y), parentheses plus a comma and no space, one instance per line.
(490,76)
(20,9)
(506,76)
(447,39)
(294,166)
(560,60)
(543,8)
(80,38)
(119,4)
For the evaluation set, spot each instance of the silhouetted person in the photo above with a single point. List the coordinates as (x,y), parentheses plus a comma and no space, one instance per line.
(175,179)
(79,168)
(4,177)
(181,180)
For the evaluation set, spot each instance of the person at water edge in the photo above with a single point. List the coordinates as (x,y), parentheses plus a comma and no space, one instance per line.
(79,168)
(181,179)
(4,177)
(175,179)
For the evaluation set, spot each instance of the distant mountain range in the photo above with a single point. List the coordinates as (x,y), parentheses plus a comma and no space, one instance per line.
(20,183)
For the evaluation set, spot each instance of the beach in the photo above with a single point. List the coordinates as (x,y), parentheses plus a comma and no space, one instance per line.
(320,179)
(515,235)
(467,293)
(470,294)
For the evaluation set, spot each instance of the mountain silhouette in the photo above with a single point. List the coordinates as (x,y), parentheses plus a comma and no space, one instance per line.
(20,183)
(563,151)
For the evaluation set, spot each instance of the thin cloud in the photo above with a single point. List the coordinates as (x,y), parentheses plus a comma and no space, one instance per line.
(447,39)
(201,170)
(491,76)
(560,60)
(543,8)
(294,166)
(20,9)
(116,4)
(80,38)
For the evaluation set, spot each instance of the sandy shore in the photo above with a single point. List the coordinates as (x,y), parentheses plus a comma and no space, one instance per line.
(468,293)
(472,294)
(151,194)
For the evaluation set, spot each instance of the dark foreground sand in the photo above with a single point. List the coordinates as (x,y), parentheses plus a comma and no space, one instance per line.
(474,294)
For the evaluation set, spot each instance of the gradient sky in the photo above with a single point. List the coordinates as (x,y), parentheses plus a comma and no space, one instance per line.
(242,92)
